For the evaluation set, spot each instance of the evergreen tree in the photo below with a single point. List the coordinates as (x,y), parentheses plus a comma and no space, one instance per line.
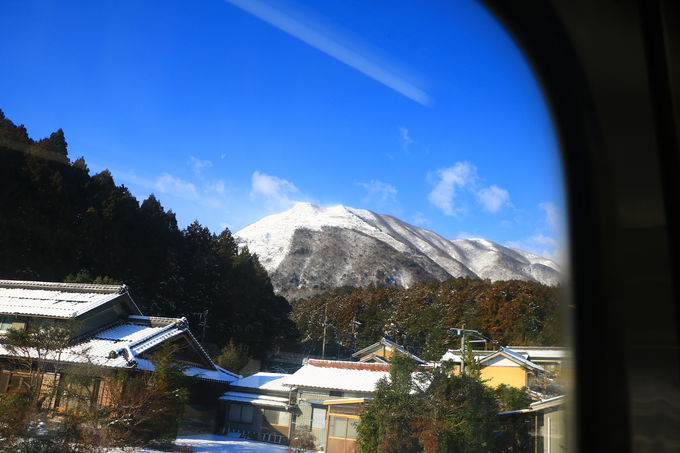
(428,410)
(57,221)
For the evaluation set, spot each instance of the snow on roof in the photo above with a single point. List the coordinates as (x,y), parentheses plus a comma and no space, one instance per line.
(256,399)
(483,356)
(57,300)
(528,352)
(263,381)
(549,402)
(512,355)
(386,342)
(542,352)
(454,355)
(338,375)
(121,345)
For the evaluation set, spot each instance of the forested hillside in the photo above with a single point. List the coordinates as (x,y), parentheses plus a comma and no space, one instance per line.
(510,312)
(58,222)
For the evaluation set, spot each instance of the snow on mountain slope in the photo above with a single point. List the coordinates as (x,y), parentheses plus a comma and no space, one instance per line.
(310,246)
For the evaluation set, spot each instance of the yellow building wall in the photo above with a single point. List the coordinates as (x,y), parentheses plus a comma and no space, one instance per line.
(388,353)
(513,376)
(384,352)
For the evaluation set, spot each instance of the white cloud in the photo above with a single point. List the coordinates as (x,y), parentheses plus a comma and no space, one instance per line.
(406,140)
(466,235)
(272,188)
(166,183)
(458,176)
(552,217)
(544,240)
(419,219)
(217,187)
(379,191)
(541,245)
(332,44)
(514,244)
(199,165)
(493,198)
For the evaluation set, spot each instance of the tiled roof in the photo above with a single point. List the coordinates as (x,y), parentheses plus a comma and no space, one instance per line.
(121,345)
(338,375)
(57,300)
(349,365)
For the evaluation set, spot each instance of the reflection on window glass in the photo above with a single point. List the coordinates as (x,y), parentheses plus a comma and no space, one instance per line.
(318,418)
(344,181)
(240,413)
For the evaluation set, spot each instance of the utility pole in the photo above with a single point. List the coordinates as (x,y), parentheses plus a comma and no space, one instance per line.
(464,333)
(355,324)
(203,322)
(462,350)
(325,326)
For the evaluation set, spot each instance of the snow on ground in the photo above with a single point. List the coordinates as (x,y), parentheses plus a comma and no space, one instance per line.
(210,443)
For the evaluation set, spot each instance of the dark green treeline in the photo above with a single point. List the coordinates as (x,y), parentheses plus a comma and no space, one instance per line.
(59,222)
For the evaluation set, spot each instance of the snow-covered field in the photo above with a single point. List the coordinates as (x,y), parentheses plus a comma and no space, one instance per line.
(209,443)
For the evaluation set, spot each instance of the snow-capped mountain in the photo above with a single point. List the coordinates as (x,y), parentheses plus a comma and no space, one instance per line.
(310,246)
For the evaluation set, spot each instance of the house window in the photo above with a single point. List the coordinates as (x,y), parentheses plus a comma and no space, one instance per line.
(318,417)
(241,414)
(10,322)
(338,427)
(5,324)
(342,427)
(277,417)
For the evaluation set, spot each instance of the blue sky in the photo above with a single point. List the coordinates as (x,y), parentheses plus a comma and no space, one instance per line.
(232,110)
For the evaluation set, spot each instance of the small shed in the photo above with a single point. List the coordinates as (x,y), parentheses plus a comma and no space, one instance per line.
(258,406)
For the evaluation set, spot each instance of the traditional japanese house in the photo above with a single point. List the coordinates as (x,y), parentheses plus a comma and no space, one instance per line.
(109,334)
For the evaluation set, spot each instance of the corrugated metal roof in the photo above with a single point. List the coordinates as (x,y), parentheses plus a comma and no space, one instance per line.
(50,299)
(263,381)
(255,399)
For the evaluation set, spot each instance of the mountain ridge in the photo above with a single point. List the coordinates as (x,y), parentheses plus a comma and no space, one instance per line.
(310,246)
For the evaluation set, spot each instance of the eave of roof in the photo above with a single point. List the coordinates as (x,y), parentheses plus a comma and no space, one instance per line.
(256,399)
(513,356)
(119,346)
(346,401)
(385,342)
(548,402)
